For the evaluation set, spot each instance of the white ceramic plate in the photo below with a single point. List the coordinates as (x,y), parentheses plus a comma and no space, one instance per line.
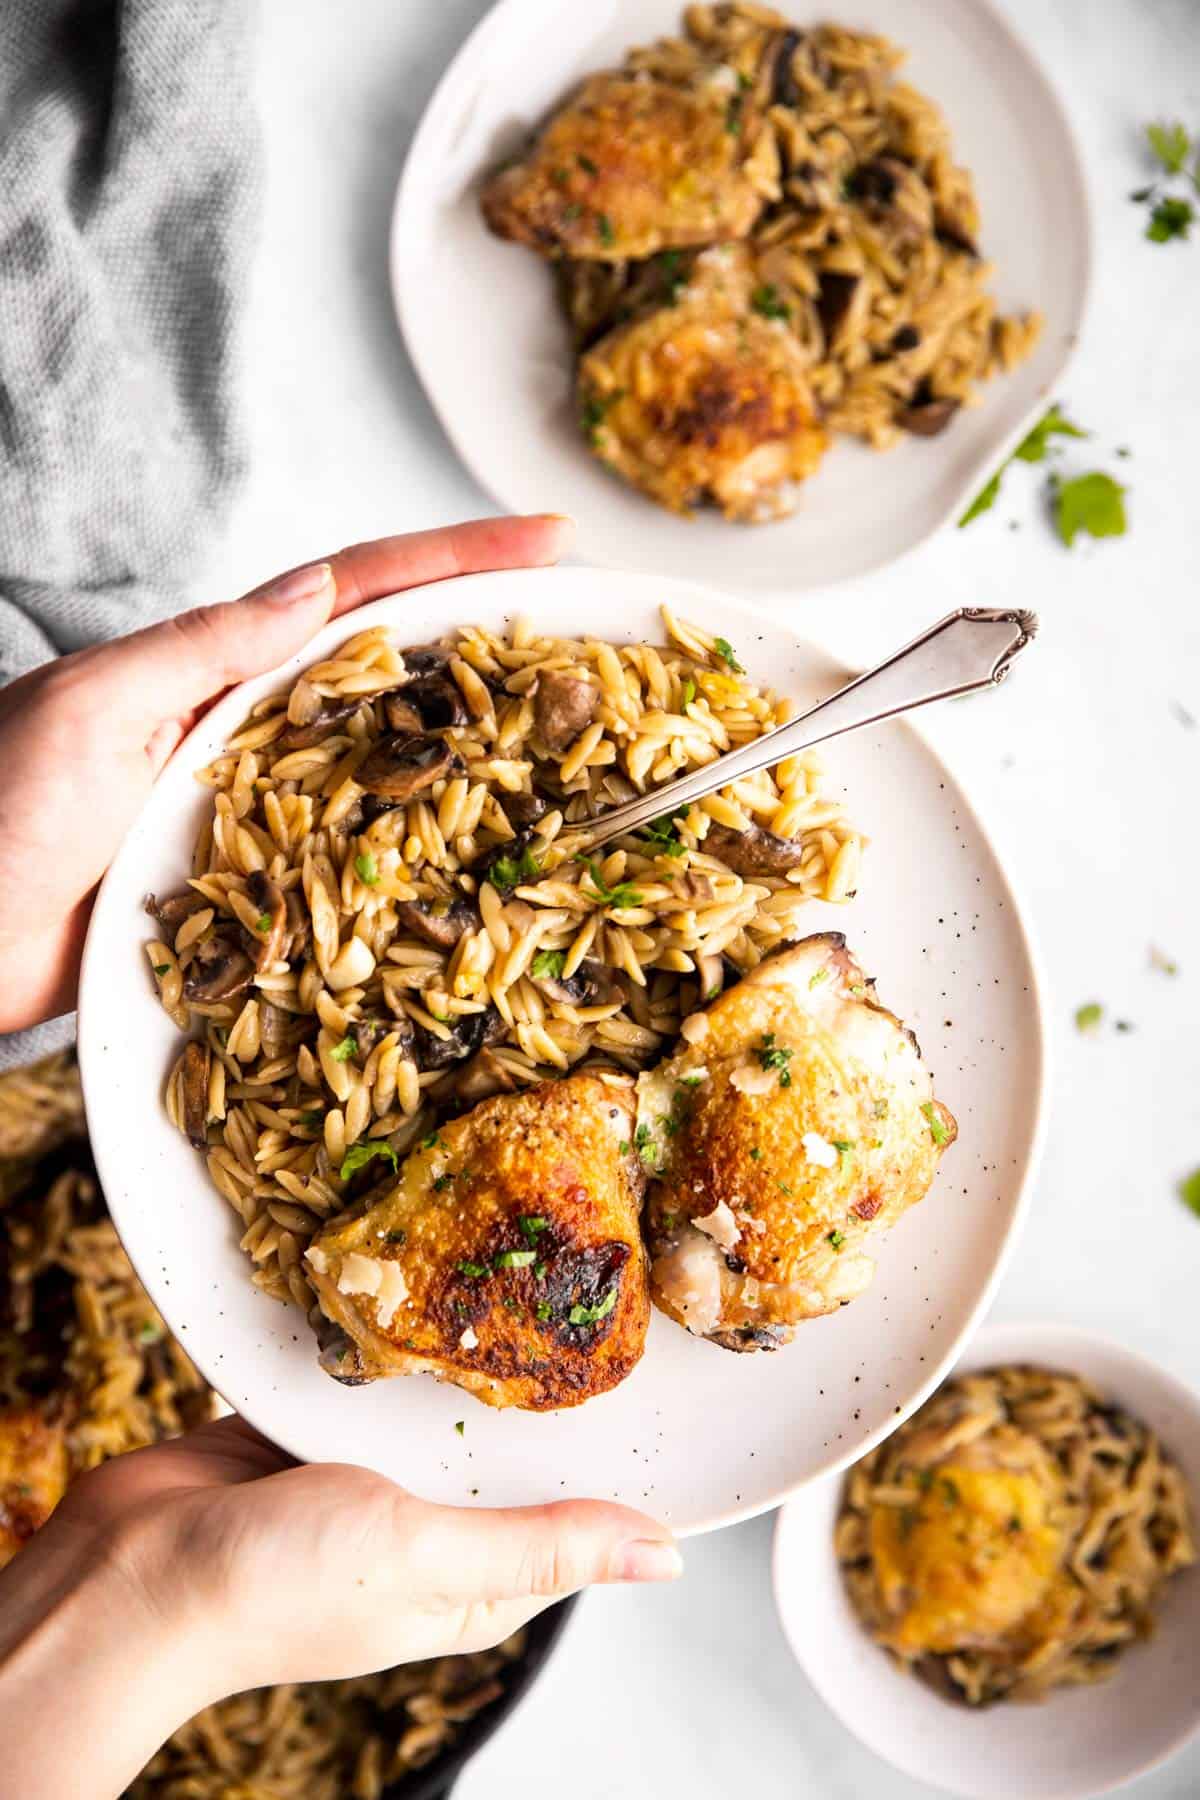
(699,1436)
(1078,1743)
(484,333)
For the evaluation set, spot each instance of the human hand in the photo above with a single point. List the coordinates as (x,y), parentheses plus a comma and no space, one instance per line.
(212,1564)
(83,738)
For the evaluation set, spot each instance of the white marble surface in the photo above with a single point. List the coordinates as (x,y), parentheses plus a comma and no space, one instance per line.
(1082,765)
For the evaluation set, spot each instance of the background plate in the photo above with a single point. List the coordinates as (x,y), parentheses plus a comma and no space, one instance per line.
(483,329)
(695,1435)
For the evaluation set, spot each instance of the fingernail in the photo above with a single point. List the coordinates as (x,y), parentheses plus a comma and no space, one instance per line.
(647,1559)
(301,584)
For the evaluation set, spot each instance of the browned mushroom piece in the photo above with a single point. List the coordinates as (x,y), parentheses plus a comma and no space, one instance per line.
(219,969)
(926,416)
(591,985)
(299,925)
(323,721)
(469,1033)
(271,928)
(754,852)
(197,1061)
(172,911)
(440,923)
(483,1076)
(695,886)
(563,706)
(367,1033)
(836,295)
(338,1355)
(892,193)
(400,767)
(427,704)
(525,809)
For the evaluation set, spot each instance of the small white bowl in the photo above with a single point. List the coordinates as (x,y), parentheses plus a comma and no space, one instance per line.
(1077,1743)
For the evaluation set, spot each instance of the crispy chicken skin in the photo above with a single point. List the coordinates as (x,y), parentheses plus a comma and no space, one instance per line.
(33,1475)
(630,166)
(507,1257)
(704,399)
(798,1119)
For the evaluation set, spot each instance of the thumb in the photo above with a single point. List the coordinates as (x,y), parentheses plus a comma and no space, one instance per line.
(168,670)
(470,1556)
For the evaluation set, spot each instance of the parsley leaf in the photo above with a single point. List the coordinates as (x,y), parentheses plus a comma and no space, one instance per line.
(1170,143)
(937,1129)
(604,229)
(508,872)
(542,1310)
(162,968)
(623,895)
(773,1056)
(475,1270)
(1053,423)
(358,1154)
(532,1226)
(843,1146)
(548,963)
(724,650)
(1093,503)
(460,1425)
(366,868)
(1172,218)
(1189,1191)
(984,500)
(591,414)
(765,300)
(1087,1018)
(836,1238)
(591,1315)
(663,837)
(515,1259)
(345,1050)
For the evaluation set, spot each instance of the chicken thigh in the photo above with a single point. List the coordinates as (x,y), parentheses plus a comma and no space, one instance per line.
(798,1120)
(33,1474)
(506,1257)
(705,398)
(630,166)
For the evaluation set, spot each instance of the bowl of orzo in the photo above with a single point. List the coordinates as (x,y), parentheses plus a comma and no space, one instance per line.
(350,925)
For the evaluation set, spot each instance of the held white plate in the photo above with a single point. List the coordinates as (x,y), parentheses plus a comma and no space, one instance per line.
(484,332)
(1077,1743)
(697,1435)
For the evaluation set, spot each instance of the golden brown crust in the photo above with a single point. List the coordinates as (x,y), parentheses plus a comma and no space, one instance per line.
(33,1474)
(629,167)
(516,1228)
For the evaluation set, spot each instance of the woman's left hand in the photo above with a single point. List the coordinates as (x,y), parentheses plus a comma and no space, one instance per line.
(82,739)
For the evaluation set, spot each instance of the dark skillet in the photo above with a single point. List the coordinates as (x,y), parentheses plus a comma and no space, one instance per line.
(437,1778)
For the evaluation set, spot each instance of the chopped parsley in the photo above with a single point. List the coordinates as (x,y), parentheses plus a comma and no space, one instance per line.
(1087,1018)
(428,1143)
(689,692)
(475,1271)
(508,872)
(1034,448)
(621,896)
(542,1310)
(843,1146)
(756,1154)
(515,1259)
(591,1315)
(460,1425)
(1013,1526)
(1189,1191)
(643,1139)
(263,924)
(670,267)
(604,229)
(950,1493)
(816,980)
(733,114)
(586,164)
(623,1147)
(548,963)
(1093,503)
(366,868)
(150,1333)
(359,1154)
(395,1237)
(774,1056)
(1170,144)
(162,968)
(784,1189)
(765,300)
(345,1050)
(532,1226)
(539,1271)
(314,1115)
(836,1238)
(1172,218)
(937,1129)
(724,650)
(662,836)
(441,1183)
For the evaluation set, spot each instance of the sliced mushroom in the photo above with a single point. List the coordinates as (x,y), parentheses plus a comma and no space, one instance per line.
(299,925)
(425,659)
(428,704)
(469,1033)
(172,911)
(837,295)
(339,1356)
(525,809)
(562,707)
(710,974)
(399,767)
(441,923)
(893,193)
(267,897)
(784,88)
(219,969)
(752,1337)
(929,415)
(754,852)
(695,886)
(366,1034)
(328,715)
(591,985)
(197,1061)
(482,1077)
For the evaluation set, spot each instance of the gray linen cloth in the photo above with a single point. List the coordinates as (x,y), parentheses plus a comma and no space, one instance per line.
(128,192)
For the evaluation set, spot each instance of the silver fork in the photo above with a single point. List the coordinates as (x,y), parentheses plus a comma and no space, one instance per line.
(970,649)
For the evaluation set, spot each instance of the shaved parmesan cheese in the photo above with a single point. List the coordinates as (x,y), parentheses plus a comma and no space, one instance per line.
(392,1290)
(720,1225)
(819,1150)
(359,1275)
(383,1281)
(468,1340)
(318,1259)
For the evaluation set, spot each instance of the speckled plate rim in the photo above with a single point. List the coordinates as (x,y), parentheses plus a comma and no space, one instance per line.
(457,93)
(1053,1344)
(112,942)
